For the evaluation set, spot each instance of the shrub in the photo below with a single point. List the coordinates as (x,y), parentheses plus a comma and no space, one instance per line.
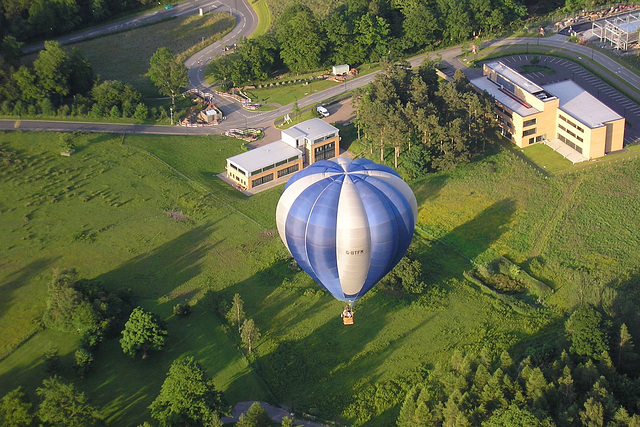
(141,112)
(84,362)
(182,309)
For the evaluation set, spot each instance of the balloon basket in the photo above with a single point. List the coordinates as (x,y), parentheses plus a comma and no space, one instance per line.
(347,320)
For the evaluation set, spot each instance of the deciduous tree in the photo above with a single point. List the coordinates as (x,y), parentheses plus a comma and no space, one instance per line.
(249,334)
(167,73)
(15,410)
(142,332)
(62,405)
(187,397)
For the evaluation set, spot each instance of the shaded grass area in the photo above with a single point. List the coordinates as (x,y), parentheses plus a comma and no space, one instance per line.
(112,198)
(125,56)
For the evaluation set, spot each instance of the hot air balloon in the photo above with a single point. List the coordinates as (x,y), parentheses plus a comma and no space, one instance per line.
(347,224)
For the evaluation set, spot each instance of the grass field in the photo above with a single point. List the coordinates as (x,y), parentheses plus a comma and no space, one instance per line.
(546,158)
(102,211)
(125,56)
(286,94)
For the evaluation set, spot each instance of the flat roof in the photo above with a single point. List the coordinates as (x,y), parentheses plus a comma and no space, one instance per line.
(483,83)
(264,156)
(514,77)
(580,104)
(311,128)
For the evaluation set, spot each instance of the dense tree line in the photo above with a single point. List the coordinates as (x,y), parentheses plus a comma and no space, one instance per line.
(591,381)
(62,83)
(45,18)
(430,124)
(361,31)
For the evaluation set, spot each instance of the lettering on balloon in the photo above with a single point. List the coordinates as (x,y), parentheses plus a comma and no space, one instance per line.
(357,252)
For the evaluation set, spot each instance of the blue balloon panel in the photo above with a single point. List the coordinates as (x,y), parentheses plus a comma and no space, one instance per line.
(347,223)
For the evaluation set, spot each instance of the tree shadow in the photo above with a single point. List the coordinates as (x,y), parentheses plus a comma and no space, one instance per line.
(429,187)
(20,278)
(165,267)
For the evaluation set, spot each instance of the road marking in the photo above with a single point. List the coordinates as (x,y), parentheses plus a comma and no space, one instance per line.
(16,125)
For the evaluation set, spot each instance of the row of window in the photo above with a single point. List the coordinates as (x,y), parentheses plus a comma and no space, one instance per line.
(287,171)
(237,168)
(322,138)
(261,180)
(280,163)
(529,132)
(529,122)
(325,152)
(571,133)
(570,144)
(504,122)
(570,123)
(504,111)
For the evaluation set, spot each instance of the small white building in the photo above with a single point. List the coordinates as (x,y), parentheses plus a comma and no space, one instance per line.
(340,70)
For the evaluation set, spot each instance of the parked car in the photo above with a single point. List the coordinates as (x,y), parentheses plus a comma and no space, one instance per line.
(169,6)
(322,111)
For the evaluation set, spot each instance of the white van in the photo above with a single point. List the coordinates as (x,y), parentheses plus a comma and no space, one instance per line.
(322,111)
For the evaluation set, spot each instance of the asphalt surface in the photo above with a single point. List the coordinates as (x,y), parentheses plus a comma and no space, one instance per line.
(246,22)
(188,7)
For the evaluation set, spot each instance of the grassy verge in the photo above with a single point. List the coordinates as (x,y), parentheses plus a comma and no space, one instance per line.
(264,17)
(287,94)
(125,56)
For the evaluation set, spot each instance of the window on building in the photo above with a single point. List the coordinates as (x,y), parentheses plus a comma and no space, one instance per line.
(262,180)
(529,132)
(287,171)
(530,122)
(531,140)
(325,152)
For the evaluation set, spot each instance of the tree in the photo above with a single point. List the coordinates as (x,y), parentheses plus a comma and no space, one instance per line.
(627,358)
(236,315)
(52,68)
(141,112)
(584,329)
(167,73)
(249,334)
(63,300)
(63,405)
(513,416)
(187,397)
(15,410)
(256,416)
(301,42)
(143,331)
(84,361)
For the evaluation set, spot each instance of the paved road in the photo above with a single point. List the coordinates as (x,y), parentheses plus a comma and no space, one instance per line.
(628,81)
(188,7)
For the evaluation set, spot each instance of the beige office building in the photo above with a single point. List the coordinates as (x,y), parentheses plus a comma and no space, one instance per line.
(300,145)
(528,113)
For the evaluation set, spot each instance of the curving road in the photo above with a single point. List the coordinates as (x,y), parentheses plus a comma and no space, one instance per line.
(246,22)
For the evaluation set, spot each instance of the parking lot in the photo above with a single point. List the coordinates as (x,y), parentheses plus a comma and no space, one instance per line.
(564,69)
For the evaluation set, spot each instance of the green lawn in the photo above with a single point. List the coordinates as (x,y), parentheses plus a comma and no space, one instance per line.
(125,56)
(545,157)
(102,211)
(264,17)
(287,94)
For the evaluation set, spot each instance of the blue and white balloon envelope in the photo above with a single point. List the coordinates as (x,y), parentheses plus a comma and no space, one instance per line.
(347,223)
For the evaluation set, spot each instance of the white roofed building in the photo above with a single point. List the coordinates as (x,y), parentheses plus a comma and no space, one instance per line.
(300,145)
(528,113)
